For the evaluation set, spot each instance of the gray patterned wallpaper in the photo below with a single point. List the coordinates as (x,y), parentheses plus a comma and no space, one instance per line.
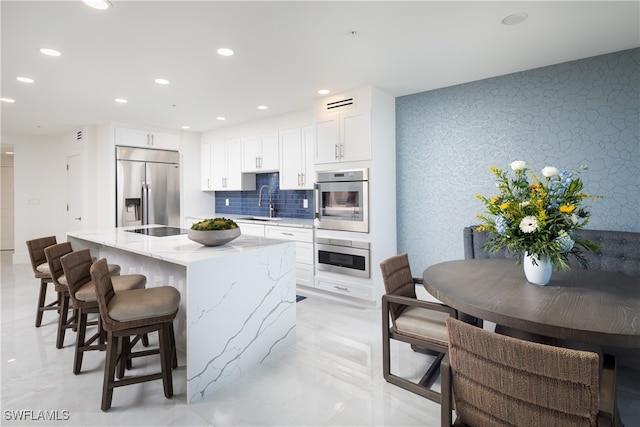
(584,112)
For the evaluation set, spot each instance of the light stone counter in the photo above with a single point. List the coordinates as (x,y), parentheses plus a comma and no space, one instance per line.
(238,300)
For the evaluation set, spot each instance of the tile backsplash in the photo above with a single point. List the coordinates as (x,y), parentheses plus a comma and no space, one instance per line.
(287,203)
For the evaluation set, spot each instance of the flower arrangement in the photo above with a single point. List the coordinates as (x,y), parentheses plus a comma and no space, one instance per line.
(538,216)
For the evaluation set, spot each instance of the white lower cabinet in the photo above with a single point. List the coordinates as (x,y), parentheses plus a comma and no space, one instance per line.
(304,249)
(249,229)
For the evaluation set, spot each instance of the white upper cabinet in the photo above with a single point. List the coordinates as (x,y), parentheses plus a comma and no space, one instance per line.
(343,133)
(206,171)
(296,159)
(226,163)
(260,153)
(147,139)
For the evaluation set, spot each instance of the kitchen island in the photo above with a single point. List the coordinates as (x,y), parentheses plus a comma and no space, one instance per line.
(238,300)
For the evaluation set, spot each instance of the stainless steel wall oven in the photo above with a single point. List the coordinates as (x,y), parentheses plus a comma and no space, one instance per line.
(343,256)
(342,200)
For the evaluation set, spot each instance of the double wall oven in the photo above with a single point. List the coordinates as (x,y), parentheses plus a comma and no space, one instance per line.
(342,205)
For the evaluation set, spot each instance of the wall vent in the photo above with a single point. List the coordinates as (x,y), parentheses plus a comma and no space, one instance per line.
(79,135)
(341,104)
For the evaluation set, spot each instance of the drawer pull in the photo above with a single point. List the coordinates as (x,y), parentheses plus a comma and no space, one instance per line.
(342,288)
(287,234)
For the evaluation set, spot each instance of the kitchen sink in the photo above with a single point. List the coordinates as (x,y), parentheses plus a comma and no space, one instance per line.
(260,218)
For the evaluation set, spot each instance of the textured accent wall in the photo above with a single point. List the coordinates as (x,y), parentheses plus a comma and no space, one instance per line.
(584,112)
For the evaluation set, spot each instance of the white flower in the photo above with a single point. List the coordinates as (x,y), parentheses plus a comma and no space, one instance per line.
(518,165)
(525,204)
(550,171)
(529,224)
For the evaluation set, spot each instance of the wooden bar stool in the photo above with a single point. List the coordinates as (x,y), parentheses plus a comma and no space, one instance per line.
(82,290)
(53,255)
(131,313)
(41,272)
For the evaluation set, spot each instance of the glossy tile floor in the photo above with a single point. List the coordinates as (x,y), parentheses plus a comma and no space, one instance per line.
(331,377)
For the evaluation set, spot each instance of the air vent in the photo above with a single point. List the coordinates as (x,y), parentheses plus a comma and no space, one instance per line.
(341,104)
(79,135)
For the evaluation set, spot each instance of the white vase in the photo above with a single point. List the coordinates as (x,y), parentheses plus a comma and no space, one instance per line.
(539,274)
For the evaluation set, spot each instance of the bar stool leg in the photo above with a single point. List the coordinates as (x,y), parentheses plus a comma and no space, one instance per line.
(166,356)
(62,319)
(41,298)
(109,371)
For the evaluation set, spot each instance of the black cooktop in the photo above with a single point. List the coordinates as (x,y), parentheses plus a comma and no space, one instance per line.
(160,231)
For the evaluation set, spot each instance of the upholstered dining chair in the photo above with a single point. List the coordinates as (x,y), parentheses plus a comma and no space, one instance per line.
(76,267)
(40,267)
(416,322)
(132,313)
(497,380)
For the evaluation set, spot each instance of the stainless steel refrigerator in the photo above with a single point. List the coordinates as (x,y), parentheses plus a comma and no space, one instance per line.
(148,187)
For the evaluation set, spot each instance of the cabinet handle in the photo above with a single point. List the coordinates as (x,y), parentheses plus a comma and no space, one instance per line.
(257,164)
(286,234)
(208,183)
(152,141)
(341,151)
(342,288)
(302,179)
(335,151)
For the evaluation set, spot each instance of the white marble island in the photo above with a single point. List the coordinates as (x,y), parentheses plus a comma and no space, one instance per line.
(238,304)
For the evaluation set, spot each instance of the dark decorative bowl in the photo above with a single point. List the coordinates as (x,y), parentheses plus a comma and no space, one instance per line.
(214,237)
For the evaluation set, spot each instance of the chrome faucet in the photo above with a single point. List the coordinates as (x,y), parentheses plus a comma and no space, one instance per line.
(271,208)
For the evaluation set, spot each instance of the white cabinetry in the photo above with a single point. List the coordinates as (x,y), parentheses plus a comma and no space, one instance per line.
(260,153)
(343,136)
(146,139)
(296,159)
(226,167)
(304,249)
(249,229)
(206,172)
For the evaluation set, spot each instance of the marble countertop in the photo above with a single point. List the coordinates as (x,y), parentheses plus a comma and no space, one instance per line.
(175,249)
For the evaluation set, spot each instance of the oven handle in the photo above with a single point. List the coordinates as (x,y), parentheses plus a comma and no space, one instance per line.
(316,199)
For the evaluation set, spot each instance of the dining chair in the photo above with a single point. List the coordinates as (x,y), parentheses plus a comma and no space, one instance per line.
(497,380)
(132,313)
(40,267)
(76,267)
(416,322)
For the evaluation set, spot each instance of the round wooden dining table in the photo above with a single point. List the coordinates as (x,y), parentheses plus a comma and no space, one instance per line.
(591,306)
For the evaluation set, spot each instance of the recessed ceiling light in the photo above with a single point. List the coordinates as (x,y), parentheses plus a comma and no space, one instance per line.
(514,19)
(9,153)
(162,81)
(324,92)
(121,100)
(49,52)
(8,100)
(223,51)
(262,107)
(98,4)
(221,118)
(25,79)
(185,127)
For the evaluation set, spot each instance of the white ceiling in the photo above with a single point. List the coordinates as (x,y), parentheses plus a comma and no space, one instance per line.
(285,52)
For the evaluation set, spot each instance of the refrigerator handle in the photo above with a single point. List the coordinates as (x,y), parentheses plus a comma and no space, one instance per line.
(145,203)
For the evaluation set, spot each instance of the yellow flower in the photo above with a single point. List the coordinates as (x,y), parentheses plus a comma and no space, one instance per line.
(504,206)
(495,200)
(567,208)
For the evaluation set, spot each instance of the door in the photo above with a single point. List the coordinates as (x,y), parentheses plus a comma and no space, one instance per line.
(129,188)
(6,205)
(162,192)
(75,193)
